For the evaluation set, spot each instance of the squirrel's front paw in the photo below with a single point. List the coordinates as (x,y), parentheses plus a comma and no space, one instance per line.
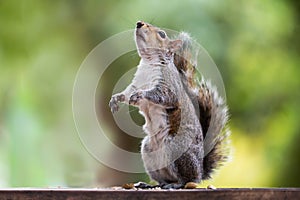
(115,99)
(136,97)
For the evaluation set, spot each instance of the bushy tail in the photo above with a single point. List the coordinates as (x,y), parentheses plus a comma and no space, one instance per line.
(210,107)
(213,119)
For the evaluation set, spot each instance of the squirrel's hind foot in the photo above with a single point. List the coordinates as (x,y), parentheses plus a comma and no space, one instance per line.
(142,185)
(171,186)
(166,186)
(189,185)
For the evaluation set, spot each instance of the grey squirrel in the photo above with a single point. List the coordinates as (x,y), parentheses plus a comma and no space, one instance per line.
(184,119)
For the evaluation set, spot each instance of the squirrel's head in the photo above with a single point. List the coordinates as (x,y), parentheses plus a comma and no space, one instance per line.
(152,42)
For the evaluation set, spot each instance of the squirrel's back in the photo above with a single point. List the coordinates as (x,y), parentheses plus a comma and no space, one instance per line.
(211,108)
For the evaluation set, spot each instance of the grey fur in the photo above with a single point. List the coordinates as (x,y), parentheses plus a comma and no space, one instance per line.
(174,151)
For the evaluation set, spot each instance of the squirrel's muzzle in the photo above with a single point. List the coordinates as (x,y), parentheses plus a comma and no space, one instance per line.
(139,24)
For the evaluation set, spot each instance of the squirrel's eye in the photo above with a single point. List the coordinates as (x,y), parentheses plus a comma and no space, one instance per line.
(162,34)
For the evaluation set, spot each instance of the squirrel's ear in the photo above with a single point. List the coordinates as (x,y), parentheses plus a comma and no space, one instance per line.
(175,45)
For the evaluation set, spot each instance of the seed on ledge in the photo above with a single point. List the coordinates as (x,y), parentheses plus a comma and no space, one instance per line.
(190,185)
(128,186)
(211,187)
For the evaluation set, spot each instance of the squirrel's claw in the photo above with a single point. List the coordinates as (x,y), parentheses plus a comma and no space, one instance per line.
(172,186)
(113,103)
(114,107)
(142,185)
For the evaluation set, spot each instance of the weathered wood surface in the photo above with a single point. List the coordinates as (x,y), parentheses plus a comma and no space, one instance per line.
(74,194)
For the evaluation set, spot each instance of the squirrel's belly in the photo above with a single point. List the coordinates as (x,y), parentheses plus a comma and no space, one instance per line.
(155,118)
(157,161)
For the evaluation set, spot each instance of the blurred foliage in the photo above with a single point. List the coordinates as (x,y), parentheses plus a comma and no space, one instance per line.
(254,43)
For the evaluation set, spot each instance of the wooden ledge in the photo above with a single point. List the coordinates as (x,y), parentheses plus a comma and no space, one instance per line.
(101,193)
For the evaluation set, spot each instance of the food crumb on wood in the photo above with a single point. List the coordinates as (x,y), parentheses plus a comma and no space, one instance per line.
(128,186)
(211,187)
(190,185)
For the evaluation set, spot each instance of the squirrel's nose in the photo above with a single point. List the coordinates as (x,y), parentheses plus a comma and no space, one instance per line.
(139,24)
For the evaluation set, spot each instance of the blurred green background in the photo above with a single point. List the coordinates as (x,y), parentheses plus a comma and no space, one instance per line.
(254,43)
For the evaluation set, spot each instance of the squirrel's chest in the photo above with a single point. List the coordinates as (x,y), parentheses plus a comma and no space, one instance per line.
(146,77)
